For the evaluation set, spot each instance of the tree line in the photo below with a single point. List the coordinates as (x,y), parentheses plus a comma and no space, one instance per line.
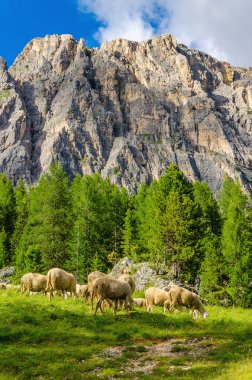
(88,224)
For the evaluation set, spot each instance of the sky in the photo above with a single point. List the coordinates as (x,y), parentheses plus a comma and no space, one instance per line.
(221,28)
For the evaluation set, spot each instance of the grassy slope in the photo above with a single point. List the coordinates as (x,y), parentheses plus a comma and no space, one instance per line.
(62,340)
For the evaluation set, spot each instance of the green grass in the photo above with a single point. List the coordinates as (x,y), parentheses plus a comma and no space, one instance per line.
(62,340)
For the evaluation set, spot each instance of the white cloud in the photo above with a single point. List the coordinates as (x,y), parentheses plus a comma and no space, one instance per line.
(222,28)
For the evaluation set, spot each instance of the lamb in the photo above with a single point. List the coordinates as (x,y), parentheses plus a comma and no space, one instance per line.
(157,297)
(140,302)
(33,282)
(179,297)
(107,288)
(60,280)
(83,291)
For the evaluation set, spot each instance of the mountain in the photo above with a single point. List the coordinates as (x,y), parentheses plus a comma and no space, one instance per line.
(127,110)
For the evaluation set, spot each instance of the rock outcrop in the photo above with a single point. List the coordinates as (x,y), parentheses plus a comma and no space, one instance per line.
(127,110)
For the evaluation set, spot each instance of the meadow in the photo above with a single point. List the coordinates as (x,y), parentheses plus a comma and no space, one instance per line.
(62,340)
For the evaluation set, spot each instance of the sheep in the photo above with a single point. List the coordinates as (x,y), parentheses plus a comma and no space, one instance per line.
(58,279)
(2,285)
(140,302)
(91,278)
(157,297)
(129,279)
(85,293)
(78,288)
(107,288)
(94,275)
(33,282)
(82,291)
(179,297)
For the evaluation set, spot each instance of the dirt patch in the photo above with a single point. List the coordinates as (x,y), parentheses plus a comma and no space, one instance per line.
(147,354)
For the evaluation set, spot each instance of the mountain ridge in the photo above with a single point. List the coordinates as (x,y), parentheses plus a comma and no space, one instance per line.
(127,110)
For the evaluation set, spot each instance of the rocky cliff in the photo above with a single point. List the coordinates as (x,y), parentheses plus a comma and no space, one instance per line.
(127,110)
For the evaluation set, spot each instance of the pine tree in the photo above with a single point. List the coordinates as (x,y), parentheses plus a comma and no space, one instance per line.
(45,240)
(209,226)
(21,197)
(128,240)
(150,208)
(99,209)
(237,239)
(7,219)
(180,235)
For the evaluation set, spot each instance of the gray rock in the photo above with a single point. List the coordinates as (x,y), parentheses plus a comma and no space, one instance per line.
(127,110)
(5,273)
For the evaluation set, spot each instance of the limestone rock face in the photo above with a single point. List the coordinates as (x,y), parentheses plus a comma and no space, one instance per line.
(127,110)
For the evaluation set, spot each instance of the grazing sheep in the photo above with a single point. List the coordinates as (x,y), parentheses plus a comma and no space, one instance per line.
(33,282)
(9,286)
(94,275)
(2,286)
(140,302)
(85,293)
(91,278)
(129,279)
(78,290)
(157,297)
(106,288)
(179,297)
(82,291)
(60,280)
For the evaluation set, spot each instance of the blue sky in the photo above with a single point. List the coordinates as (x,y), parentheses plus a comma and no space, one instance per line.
(23,20)
(221,28)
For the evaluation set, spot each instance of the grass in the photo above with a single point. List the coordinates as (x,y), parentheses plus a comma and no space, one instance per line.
(62,340)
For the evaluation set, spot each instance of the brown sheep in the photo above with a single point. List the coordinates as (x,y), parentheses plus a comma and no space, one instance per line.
(157,297)
(33,282)
(60,280)
(179,297)
(140,302)
(107,288)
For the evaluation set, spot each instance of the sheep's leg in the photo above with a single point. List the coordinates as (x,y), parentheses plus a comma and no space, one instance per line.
(115,307)
(98,305)
(195,313)
(51,295)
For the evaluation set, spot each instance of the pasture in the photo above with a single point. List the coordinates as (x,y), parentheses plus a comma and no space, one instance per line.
(62,340)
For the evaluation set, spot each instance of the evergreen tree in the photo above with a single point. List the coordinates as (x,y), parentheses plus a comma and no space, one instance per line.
(180,235)
(128,240)
(99,209)
(7,219)
(209,226)
(21,197)
(150,208)
(45,240)
(237,239)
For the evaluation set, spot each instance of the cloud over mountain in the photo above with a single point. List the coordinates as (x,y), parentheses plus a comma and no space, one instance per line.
(221,28)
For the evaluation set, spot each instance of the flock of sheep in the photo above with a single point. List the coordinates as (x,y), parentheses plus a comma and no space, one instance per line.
(111,292)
